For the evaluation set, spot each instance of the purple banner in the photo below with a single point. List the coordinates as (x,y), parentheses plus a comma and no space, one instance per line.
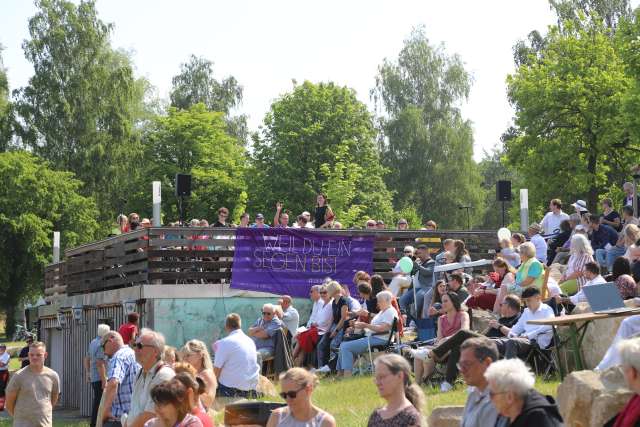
(291,260)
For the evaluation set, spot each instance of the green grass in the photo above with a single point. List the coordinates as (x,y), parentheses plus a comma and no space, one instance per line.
(352,400)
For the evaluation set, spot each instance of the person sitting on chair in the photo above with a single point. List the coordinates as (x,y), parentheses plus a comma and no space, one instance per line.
(521,336)
(453,320)
(263,332)
(377,333)
(592,275)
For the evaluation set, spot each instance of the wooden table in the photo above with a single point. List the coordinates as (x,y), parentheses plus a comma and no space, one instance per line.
(576,333)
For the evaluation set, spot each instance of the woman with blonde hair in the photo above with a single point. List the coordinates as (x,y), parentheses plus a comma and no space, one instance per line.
(404,398)
(195,353)
(581,253)
(530,272)
(297,386)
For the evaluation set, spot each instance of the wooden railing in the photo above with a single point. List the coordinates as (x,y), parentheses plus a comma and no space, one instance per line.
(205,255)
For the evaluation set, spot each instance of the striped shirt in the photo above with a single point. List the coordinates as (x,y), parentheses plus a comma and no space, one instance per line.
(576,263)
(123,368)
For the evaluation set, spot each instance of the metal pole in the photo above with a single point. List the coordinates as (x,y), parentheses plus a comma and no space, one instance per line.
(56,247)
(635,197)
(524,210)
(157,199)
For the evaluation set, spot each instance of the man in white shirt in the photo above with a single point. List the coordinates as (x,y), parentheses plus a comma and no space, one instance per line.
(522,334)
(592,274)
(538,241)
(236,361)
(148,347)
(314,294)
(290,316)
(553,218)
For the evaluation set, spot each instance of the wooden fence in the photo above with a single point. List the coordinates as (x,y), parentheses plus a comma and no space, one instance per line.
(205,255)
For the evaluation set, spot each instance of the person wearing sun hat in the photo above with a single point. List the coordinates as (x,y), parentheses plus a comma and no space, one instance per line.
(580,206)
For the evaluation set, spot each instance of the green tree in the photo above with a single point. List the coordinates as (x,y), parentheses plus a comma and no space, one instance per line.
(425,143)
(319,137)
(195,141)
(36,201)
(569,139)
(196,84)
(80,107)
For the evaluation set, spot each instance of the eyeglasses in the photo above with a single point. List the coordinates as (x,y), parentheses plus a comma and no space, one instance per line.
(266,313)
(407,252)
(323,292)
(291,394)
(463,366)
(140,346)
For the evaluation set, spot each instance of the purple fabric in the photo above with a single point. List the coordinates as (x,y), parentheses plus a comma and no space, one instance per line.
(291,260)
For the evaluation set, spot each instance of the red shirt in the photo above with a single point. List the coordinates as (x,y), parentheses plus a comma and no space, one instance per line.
(127,330)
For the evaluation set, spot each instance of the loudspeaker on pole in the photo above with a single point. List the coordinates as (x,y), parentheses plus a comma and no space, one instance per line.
(183,185)
(503,191)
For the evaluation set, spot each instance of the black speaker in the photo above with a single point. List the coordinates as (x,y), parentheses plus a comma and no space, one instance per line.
(503,191)
(255,413)
(183,185)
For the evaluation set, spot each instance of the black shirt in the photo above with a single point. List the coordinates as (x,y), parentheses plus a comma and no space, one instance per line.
(24,352)
(372,305)
(219,224)
(611,217)
(336,308)
(509,322)
(319,216)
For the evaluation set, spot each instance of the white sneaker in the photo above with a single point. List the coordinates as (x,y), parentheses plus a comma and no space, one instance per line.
(445,387)
(324,370)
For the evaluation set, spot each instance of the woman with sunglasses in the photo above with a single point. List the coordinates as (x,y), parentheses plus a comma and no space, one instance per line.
(195,352)
(297,386)
(405,399)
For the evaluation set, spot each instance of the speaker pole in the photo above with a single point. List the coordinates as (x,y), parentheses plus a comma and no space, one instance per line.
(503,221)
(181,209)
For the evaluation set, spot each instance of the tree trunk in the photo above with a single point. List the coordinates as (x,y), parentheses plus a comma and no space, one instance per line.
(592,197)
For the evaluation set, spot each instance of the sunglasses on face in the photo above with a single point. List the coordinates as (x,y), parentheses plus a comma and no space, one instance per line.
(323,292)
(291,394)
(266,313)
(140,346)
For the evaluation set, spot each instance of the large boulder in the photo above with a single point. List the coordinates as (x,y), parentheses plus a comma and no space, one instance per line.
(589,399)
(446,416)
(599,335)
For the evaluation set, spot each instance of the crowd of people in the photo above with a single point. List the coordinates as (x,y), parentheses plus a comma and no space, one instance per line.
(323,217)
(137,380)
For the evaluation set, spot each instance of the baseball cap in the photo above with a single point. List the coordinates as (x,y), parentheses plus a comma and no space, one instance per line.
(259,216)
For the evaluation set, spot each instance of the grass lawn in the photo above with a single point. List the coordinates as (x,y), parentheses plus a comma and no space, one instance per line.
(351,401)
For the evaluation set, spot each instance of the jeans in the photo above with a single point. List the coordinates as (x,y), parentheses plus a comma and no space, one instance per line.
(452,346)
(407,299)
(613,253)
(96,386)
(511,348)
(326,343)
(601,257)
(224,391)
(350,349)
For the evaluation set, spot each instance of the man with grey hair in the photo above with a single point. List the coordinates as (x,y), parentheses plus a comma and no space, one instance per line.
(95,369)
(314,294)
(263,332)
(121,376)
(630,355)
(148,348)
(476,354)
(290,316)
(512,392)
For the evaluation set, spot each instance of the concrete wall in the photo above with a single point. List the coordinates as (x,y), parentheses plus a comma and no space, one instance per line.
(182,319)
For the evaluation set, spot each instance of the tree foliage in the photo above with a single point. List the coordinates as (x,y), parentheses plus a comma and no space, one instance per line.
(319,137)
(5,108)
(36,201)
(196,84)
(425,143)
(196,142)
(570,138)
(80,106)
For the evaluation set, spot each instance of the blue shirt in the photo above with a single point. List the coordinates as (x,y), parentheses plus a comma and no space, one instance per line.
(270,328)
(124,368)
(95,353)
(255,226)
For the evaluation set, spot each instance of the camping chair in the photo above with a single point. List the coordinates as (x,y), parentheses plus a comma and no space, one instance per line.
(394,335)
(544,291)
(544,361)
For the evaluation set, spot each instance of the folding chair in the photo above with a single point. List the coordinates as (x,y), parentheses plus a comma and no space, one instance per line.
(543,360)
(394,336)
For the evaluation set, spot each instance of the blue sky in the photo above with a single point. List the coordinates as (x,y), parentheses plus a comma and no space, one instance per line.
(266,44)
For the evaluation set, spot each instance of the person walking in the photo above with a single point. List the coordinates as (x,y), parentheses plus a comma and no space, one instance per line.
(33,391)
(95,369)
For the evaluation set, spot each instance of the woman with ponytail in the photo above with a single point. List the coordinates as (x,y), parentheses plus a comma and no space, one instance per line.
(404,398)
